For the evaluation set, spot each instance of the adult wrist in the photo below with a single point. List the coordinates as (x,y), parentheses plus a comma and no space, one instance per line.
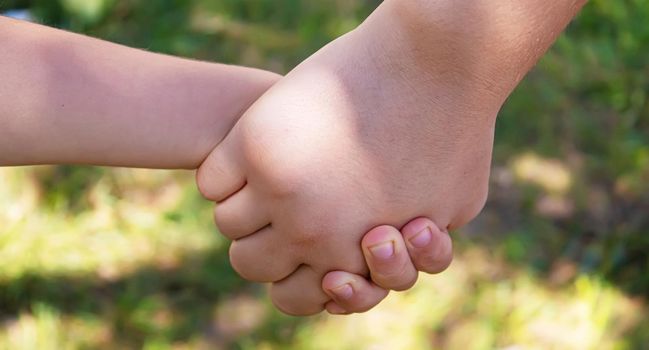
(422,46)
(496,41)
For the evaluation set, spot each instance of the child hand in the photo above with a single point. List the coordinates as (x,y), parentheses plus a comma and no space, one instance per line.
(393,258)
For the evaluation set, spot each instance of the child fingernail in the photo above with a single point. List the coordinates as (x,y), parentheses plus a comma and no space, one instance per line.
(335,309)
(383,251)
(421,239)
(344,292)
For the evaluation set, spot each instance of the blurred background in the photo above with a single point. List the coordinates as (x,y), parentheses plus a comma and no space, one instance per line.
(96,258)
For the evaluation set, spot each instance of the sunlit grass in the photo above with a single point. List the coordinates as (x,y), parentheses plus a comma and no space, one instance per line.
(119,259)
(480,303)
(93,276)
(46,329)
(111,239)
(551,175)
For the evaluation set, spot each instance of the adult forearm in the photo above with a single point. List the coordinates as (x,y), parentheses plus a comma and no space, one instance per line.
(492,43)
(66,98)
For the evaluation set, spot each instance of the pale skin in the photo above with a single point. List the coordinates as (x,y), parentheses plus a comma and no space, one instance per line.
(70,99)
(392,121)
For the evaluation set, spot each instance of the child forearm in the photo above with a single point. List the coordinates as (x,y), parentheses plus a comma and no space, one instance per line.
(66,98)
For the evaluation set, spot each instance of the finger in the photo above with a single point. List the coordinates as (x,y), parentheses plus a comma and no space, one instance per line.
(430,248)
(388,260)
(299,294)
(261,257)
(221,175)
(241,215)
(351,293)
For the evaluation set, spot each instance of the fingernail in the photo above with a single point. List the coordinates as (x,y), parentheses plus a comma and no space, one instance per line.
(335,309)
(422,239)
(383,251)
(344,292)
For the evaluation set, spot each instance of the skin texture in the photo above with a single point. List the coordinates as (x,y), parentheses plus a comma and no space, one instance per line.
(322,163)
(420,245)
(392,121)
(70,99)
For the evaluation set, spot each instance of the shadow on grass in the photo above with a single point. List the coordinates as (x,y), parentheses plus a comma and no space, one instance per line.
(176,305)
(611,244)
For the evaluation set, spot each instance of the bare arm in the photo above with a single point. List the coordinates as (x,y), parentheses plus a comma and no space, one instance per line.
(490,43)
(67,98)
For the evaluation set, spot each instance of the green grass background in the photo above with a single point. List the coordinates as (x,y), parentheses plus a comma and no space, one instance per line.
(96,258)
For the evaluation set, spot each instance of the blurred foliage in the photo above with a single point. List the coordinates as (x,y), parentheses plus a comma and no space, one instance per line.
(113,258)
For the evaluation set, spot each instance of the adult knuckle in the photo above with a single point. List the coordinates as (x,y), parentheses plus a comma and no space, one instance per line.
(202,182)
(305,236)
(475,208)
(224,223)
(238,261)
(470,210)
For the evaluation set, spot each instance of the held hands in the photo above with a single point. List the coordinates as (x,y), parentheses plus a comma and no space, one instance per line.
(393,259)
(360,134)
(391,122)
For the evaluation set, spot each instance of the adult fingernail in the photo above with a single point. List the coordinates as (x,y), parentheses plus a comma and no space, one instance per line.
(383,251)
(343,292)
(422,239)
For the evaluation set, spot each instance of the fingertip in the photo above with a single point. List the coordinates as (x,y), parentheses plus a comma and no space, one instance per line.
(379,235)
(334,309)
(430,248)
(418,225)
(220,175)
(351,293)
(334,279)
(387,257)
